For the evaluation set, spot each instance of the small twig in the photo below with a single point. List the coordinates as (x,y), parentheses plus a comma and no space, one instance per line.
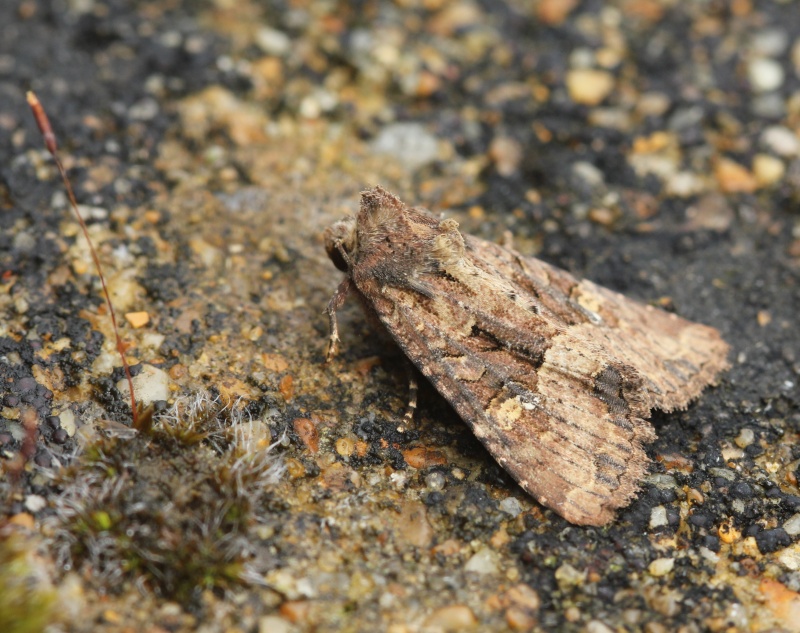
(50,143)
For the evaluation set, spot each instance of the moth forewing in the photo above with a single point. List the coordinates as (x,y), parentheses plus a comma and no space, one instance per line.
(554,375)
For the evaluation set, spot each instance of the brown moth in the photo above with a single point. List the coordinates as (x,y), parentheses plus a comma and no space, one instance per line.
(553,374)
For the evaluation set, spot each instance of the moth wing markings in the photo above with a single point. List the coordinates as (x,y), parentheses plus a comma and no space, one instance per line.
(677,357)
(582,473)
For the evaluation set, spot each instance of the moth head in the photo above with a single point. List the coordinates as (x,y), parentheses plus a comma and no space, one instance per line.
(340,242)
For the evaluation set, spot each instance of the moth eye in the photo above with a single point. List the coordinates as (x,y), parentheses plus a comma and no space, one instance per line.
(335,252)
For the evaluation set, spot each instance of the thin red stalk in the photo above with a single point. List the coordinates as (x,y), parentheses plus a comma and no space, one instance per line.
(50,142)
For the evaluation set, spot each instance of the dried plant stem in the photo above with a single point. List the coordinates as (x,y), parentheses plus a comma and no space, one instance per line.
(50,143)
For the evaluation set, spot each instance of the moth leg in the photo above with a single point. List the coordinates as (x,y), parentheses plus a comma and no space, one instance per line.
(336,302)
(507,241)
(413,391)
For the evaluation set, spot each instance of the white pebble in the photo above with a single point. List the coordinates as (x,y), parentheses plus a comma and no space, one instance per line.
(511,505)
(435,481)
(790,558)
(745,438)
(150,385)
(274,624)
(272,41)
(409,143)
(792,525)
(34,503)
(67,418)
(781,141)
(769,42)
(596,626)
(484,561)
(765,74)
(661,566)
(658,517)
(588,174)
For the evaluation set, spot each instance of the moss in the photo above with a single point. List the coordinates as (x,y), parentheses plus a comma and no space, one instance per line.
(171,507)
(25,607)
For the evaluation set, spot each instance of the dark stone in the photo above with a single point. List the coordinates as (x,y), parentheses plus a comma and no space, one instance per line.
(701,519)
(24,385)
(711,541)
(741,490)
(772,540)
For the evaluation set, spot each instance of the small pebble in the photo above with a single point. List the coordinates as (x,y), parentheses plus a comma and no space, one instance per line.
(668,604)
(572,614)
(568,576)
(452,619)
(658,517)
(67,418)
(769,42)
(409,143)
(273,42)
(790,557)
(596,626)
(435,481)
(144,110)
(23,519)
(150,385)
(554,12)
(524,596)
(694,496)
(792,525)
(589,86)
(781,141)
(632,617)
(733,177)
(23,242)
(137,319)
(345,446)
(661,566)
(35,503)
(765,74)
(768,105)
(511,505)
(274,624)
(506,153)
(519,620)
(653,104)
(745,438)
(588,175)
(767,169)
(483,562)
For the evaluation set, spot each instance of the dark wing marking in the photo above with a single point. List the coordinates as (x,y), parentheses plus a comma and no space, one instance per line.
(676,357)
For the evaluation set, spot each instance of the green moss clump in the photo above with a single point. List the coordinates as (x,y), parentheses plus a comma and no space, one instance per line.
(26,604)
(171,507)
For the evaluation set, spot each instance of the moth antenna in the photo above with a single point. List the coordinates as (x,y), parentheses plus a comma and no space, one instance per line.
(52,146)
(343,252)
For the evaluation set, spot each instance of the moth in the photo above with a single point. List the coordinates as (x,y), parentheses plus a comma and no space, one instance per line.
(555,375)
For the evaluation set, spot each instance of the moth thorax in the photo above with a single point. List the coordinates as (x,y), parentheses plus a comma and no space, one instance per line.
(448,246)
